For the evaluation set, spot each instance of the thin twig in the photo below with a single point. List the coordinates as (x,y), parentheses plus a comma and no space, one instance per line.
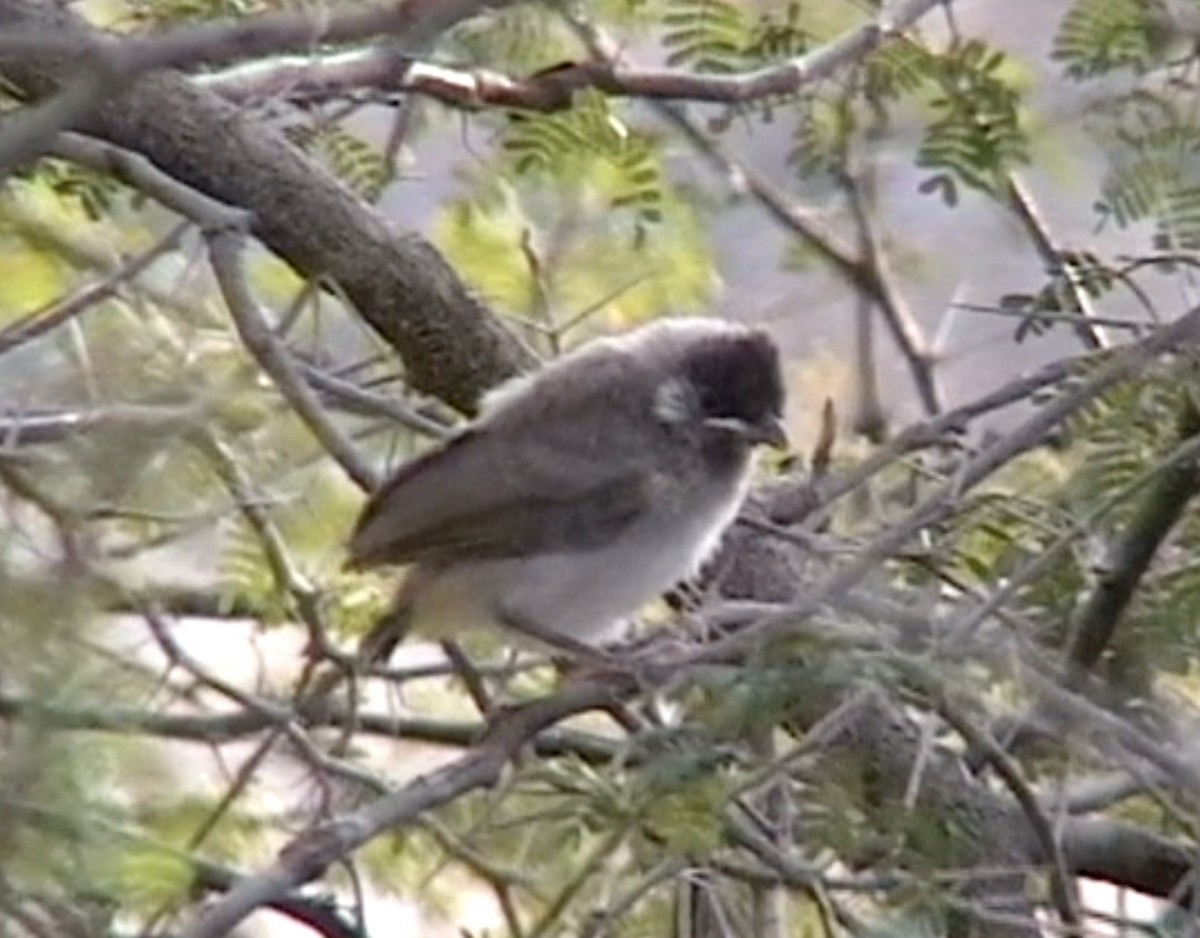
(1020,201)
(1061,883)
(226,247)
(393,69)
(26,135)
(310,854)
(371,402)
(41,321)
(1183,455)
(311,912)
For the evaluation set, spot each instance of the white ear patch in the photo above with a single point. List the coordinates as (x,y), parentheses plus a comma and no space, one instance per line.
(671,404)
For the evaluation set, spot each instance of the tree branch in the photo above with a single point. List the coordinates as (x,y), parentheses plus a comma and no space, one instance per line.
(414,22)
(1125,855)
(234,725)
(452,347)
(310,854)
(321,916)
(1157,512)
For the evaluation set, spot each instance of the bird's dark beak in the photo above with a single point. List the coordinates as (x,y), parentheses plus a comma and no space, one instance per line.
(767,431)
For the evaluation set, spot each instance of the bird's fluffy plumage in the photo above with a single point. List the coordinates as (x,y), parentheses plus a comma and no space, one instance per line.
(575,494)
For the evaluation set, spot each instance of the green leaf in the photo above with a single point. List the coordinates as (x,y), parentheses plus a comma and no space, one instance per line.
(1100,36)
(707,35)
(977,137)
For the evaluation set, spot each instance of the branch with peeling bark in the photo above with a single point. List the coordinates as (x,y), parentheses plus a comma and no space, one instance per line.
(413,24)
(96,67)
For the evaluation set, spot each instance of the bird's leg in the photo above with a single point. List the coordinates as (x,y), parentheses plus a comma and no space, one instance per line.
(470,676)
(556,641)
(640,666)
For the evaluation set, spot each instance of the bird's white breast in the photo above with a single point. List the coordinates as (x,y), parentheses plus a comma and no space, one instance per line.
(587,594)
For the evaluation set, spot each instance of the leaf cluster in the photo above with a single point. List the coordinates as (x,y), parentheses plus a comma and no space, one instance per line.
(560,146)
(1096,37)
(976,137)
(722,37)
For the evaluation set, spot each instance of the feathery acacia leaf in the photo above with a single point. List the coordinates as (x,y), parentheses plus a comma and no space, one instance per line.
(1100,36)
(976,137)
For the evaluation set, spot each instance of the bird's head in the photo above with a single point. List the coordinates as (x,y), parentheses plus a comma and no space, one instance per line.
(728,388)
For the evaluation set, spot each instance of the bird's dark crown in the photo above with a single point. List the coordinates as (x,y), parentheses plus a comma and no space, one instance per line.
(737,376)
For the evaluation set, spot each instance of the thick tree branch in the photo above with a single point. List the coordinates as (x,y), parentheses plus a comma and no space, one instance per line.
(452,346)
(1126,855)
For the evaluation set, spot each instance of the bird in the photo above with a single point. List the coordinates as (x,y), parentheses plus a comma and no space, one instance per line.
(583,490)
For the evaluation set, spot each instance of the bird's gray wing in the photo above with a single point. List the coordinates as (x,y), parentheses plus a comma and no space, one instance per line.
(557,471)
